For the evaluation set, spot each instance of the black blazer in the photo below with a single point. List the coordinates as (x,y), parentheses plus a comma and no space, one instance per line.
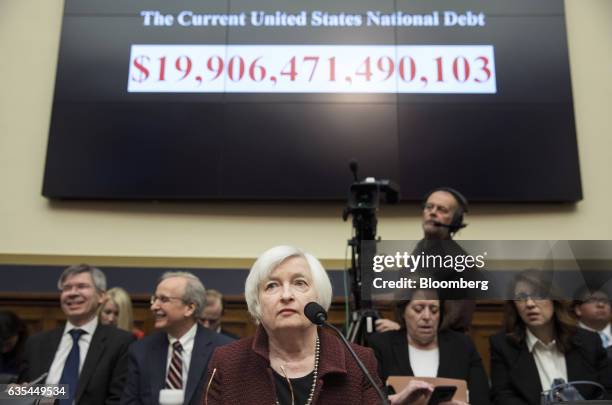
(104,370)
(458,359)
(147,367)
(514,375)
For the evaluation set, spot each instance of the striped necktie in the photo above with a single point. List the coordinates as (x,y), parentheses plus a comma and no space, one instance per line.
(174,379)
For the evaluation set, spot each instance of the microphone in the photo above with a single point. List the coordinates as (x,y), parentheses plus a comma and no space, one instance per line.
(317,315)
(354,166)
(450,226)
(565,391)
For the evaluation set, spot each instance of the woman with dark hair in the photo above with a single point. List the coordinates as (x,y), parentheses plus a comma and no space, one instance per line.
(13,334)
(422,349)
(540,344)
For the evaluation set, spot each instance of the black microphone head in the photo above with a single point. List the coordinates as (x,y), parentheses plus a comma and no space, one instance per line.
(315,313)
(440,224)
(451,227)
(354,166)
(557,381)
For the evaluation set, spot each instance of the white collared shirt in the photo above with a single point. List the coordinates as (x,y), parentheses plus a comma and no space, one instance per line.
(548,359)
(187,341)
(57,366)
(607,331)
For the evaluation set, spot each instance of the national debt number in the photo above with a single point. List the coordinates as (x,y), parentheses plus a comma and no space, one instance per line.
(312,69)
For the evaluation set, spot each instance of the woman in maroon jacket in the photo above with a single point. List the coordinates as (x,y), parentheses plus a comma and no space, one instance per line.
(289,360)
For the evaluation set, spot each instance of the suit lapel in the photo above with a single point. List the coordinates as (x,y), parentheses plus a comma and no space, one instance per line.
(579,368)
(158,357)
(49,349)
(525,375)
(445,352)
(575,366)
(199,359)
(400,350)
(97,346)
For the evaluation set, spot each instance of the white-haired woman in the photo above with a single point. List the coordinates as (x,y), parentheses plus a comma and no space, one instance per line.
(289,360)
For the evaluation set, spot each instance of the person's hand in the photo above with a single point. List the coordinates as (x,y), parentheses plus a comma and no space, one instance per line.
(454,403)
(385,325)
(411,393)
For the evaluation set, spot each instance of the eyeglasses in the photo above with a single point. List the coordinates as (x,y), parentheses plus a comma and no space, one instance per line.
(526,296)
(597,300)
(210,322)
(163,299)
(79,287)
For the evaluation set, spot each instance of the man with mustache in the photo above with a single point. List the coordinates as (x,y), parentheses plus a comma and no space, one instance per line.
(442,217)
(89,357)
(176,356)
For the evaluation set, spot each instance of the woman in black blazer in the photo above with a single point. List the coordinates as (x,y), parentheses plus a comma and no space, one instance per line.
(534,322)
(457,355)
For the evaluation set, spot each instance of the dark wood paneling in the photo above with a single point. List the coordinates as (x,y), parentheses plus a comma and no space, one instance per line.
(42,312)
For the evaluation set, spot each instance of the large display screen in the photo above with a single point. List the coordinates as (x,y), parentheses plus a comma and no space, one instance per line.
(270,99)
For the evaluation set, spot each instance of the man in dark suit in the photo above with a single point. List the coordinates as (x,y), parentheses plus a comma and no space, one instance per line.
(213,311)
(594,312)
(91,358)
(175,357)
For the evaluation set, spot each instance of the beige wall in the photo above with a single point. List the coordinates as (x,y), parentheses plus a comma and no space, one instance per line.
(30,225)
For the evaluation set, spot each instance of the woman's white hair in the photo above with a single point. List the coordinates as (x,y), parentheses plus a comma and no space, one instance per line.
(270,260)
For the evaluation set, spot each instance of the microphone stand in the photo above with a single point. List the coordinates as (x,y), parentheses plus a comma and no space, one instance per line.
(381,395)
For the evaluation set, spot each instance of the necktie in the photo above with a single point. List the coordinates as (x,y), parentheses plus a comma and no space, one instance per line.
(174,379)
(605,340)
(70,374)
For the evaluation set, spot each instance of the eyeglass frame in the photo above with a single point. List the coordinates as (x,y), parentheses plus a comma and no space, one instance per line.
(164,299)
(597,300)
(79,287)
(524,297)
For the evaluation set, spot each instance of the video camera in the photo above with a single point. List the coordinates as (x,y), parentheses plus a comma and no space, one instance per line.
(363,203)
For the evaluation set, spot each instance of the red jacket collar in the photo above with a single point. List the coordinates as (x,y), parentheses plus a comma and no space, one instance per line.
(332,357)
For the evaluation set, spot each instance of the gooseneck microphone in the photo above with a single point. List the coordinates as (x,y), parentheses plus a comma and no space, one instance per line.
(561,391)
(565,391)
(450,226)
(317,315)
(354,166)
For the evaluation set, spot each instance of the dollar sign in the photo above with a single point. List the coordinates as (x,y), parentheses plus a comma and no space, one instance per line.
(143,72)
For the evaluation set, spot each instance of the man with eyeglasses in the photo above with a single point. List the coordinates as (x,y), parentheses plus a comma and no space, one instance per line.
(213,312)
(176,356)
(592,308)
(90,358)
